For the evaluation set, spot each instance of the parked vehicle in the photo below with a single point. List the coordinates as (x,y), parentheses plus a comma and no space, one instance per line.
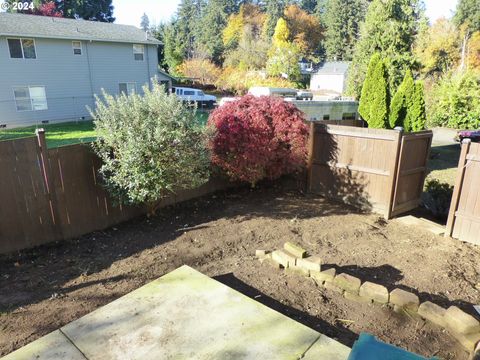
(191,95)
(225,100)
(268,91)
(473,135)
(304,95)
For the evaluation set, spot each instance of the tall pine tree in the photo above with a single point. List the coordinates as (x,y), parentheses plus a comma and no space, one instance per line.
(390,27)
(342,19)
(209,37)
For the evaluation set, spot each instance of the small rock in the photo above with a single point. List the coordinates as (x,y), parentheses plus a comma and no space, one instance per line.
(260,253)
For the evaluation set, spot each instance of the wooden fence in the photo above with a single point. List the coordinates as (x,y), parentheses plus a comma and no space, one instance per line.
(376,170)
(54,194)
(464,216)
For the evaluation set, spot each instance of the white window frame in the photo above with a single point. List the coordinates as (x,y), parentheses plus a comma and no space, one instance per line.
(137,52)
(77,48)
(129,91)
(21,45)
(32,105)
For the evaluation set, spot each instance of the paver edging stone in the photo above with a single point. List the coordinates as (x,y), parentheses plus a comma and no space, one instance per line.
(462,326)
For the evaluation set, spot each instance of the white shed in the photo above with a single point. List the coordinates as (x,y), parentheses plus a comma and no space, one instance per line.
(331,76)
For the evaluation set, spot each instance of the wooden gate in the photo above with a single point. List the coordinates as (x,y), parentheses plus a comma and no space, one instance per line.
(412,170)
(464,216)
(373,169)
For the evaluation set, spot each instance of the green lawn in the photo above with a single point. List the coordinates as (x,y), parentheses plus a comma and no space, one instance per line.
(69,132)
(56,134)
(443,163)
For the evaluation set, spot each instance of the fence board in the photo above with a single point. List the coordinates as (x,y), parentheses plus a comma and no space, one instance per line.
(464,216)
(362,167)
(25,212)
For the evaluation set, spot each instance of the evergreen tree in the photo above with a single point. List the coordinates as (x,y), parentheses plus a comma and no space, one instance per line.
(209,37)
(308,5)
(364,107)
(390,27)
(381,98)
(342,20)
(418,112)
(173,53)
(468,14)
(144,22)
(374,102)
(95,10)
(400,101)
(274,11)
(408,105)
(408,90)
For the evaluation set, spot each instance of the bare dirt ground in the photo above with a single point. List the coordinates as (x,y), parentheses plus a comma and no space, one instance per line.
(47,287)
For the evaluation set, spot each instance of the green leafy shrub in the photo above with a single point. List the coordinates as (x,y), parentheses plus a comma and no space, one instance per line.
(151,146)
(454,101)
(437,197)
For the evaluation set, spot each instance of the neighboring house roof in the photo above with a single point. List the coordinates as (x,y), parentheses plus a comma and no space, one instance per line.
(332,68)
(167,74)
(72,29)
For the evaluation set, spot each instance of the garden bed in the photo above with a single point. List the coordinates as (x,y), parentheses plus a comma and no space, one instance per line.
(47,287)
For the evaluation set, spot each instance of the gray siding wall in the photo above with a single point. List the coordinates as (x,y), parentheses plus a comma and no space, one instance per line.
(70,80)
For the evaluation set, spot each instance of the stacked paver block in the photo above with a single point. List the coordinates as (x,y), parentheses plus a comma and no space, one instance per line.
(464,327)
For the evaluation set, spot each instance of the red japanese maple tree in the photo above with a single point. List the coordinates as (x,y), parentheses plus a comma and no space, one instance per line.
(258,138)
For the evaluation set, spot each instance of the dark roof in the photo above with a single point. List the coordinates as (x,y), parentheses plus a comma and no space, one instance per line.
(12,24)
(332,67)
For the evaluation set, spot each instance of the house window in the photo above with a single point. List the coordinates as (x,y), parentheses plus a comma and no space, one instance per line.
(138,50)
(326,117)
(126,88)
(77,47)
(28,98)
(22,48)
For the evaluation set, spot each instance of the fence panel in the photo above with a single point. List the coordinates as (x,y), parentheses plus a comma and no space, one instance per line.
(83,205)
(362,167)
(464,216)
(26,213)
(355,165)
(412,170)
(61,197)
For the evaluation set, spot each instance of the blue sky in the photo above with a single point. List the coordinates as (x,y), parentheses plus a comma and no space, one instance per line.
(130,11)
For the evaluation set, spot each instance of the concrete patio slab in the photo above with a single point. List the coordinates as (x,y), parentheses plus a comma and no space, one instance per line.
(326,348)
(52,346)
(187,315)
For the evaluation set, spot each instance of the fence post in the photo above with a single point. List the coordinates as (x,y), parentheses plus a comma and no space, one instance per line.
(45,168)
(457,190)
(311,149)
